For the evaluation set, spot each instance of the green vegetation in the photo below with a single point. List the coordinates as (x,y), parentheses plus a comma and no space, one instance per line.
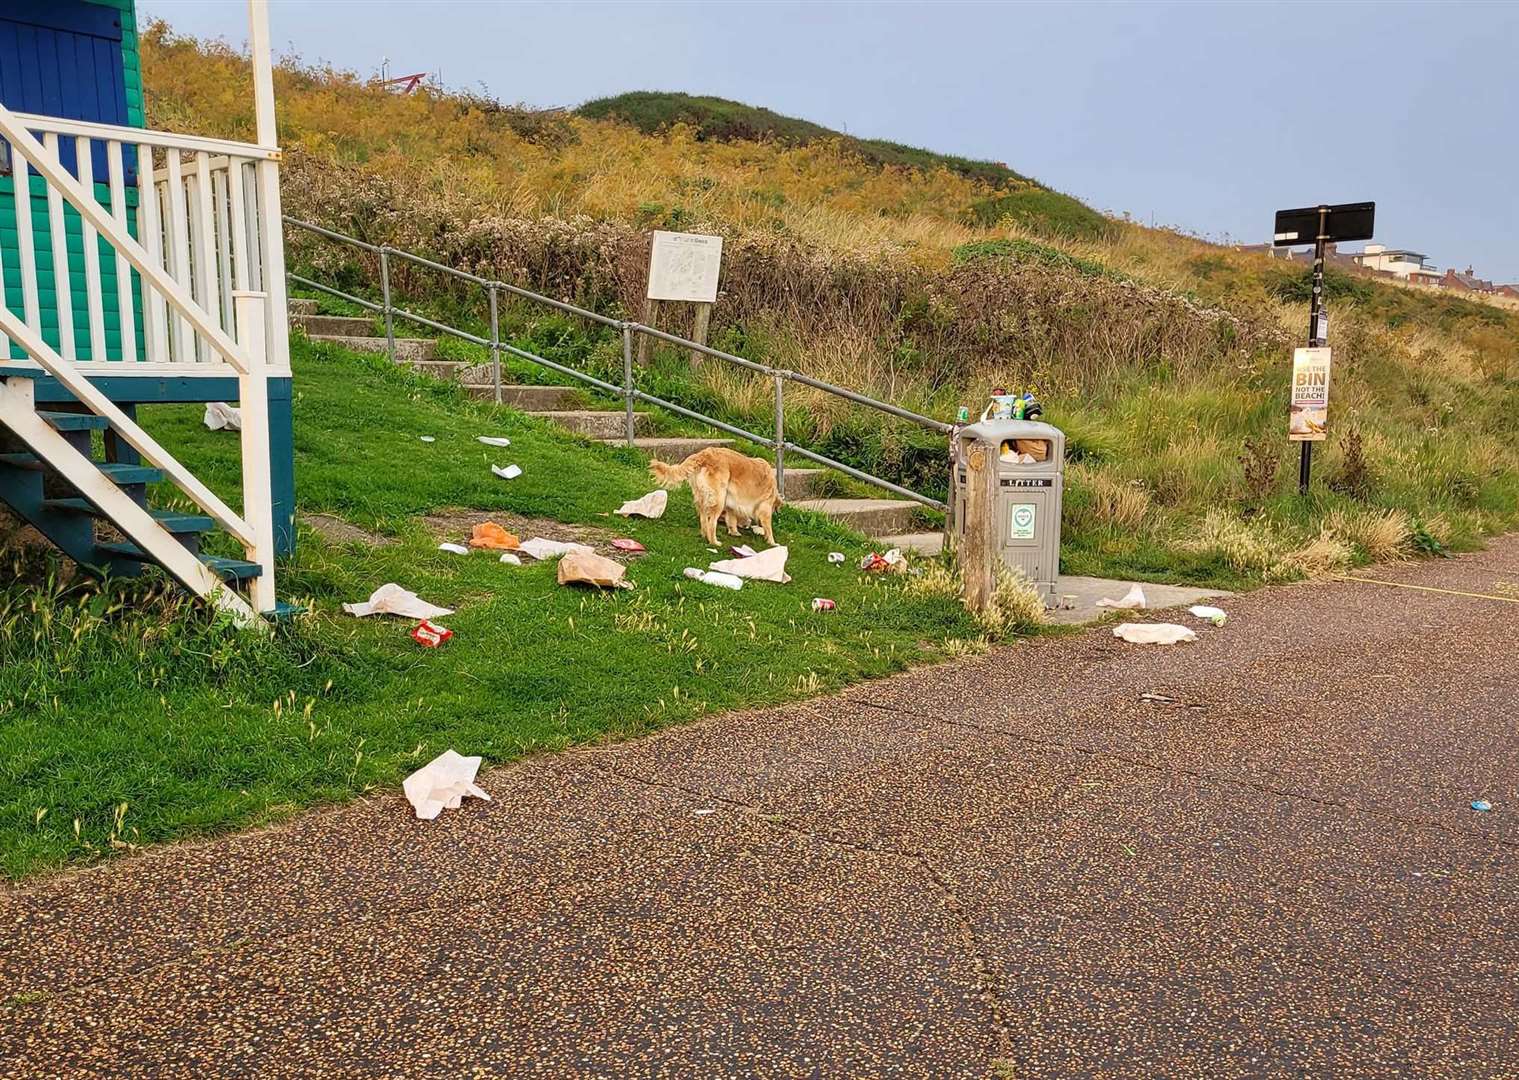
(720,120)
(142,717)
(1044,211)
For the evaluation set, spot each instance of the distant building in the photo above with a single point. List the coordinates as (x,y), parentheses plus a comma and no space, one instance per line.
(1411,266)
(1510,291)
(1467,282)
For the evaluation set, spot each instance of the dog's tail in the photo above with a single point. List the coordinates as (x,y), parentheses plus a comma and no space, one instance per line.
(669,476)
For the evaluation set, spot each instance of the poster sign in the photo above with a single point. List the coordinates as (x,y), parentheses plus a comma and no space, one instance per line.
(685,266)
(1310,395)
(1023,521)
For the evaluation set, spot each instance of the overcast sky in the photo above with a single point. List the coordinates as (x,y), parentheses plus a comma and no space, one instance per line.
(1206,117)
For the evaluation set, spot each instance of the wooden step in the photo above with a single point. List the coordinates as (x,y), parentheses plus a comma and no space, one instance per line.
(226,569)
(922,543)
(527,398)
(594,424)
(406,348)
(341,325)
(74,421)
(668,448)
(117,472)
(873,517)
(175,521)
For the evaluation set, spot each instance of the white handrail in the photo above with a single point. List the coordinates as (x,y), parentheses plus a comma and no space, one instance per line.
(147,137)
(24,145)
(77,384)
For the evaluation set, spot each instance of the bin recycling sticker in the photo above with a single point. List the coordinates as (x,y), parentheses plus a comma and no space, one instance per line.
(1023,521)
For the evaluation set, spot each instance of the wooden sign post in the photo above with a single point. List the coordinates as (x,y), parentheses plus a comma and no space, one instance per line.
(683,268)
(978,547)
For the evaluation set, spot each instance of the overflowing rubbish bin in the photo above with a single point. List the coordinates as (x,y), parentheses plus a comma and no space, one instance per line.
(1022,464)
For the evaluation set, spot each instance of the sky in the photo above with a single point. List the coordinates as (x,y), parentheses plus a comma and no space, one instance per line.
(1203,117)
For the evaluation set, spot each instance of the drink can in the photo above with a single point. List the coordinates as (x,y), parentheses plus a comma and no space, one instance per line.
(822,603)
(430,635)
(963,416)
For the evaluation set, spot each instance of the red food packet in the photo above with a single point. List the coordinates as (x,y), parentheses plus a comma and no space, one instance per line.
(430,635)
(628,545)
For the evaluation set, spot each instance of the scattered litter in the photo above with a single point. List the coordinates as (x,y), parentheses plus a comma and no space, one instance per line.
(542,549)
(442,783)
(511,472)
(893,562)
(454,549)
(1216,616)
(223,417)
(624,544)
(714,577)
(430,635)
(742,551)
(589,568)
(702,813)
(1134,598)
(822,603)
(1482,806)
(835,556)
(1154,633)
(766,566)
(1067,602)
(426,438)
(1155,697)
(391,599)
(493,440)
(757,530)
(713,550)
(651,505)
(512,559)
(488,534)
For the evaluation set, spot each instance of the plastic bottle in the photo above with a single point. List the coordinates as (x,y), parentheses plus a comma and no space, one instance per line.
(714,577)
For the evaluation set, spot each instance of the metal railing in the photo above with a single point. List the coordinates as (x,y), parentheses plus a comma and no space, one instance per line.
(628,391)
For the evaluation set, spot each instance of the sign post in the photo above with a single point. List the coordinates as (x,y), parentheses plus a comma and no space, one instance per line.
(1318,225)
(683,268)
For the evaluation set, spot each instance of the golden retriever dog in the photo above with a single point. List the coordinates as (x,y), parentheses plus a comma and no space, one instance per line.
(724,484)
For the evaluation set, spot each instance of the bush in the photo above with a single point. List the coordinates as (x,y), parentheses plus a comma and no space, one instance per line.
(1043,211)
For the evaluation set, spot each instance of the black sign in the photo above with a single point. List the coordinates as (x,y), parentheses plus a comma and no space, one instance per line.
(1028,482)
(1346,221)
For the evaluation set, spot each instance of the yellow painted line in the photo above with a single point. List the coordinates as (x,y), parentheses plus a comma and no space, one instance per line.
(1431,588)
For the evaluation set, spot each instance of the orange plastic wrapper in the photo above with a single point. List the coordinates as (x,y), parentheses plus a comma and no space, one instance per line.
(490,535)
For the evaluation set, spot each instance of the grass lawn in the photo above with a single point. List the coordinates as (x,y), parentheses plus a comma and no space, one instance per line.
(128,716)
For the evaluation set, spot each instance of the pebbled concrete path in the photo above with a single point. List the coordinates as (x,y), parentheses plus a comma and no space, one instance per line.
(1252,856)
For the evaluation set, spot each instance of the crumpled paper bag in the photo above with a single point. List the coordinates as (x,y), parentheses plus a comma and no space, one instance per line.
(223,417)
(768,565)
(391,599)
(651,505)
(1134,598)
(541,549)
(589,568)
(442,783)
(1154,633)
(488,534)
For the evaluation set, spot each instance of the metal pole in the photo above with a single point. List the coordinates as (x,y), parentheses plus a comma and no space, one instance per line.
(627,377)
(390,328)
(780,435)
(1315,307)
(495,345)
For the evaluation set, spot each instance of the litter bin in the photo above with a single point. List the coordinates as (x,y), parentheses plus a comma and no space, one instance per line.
(1025,466)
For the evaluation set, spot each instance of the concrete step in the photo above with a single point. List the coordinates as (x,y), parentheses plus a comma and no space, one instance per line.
(805,483)
(529,398)
(438,369)
(922,543)
(671,449)
(406,348)
(301,307)
(594,424)
(873,517)
(347,325)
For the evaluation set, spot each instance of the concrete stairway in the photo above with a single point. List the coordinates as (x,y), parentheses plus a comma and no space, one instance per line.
(806,489)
